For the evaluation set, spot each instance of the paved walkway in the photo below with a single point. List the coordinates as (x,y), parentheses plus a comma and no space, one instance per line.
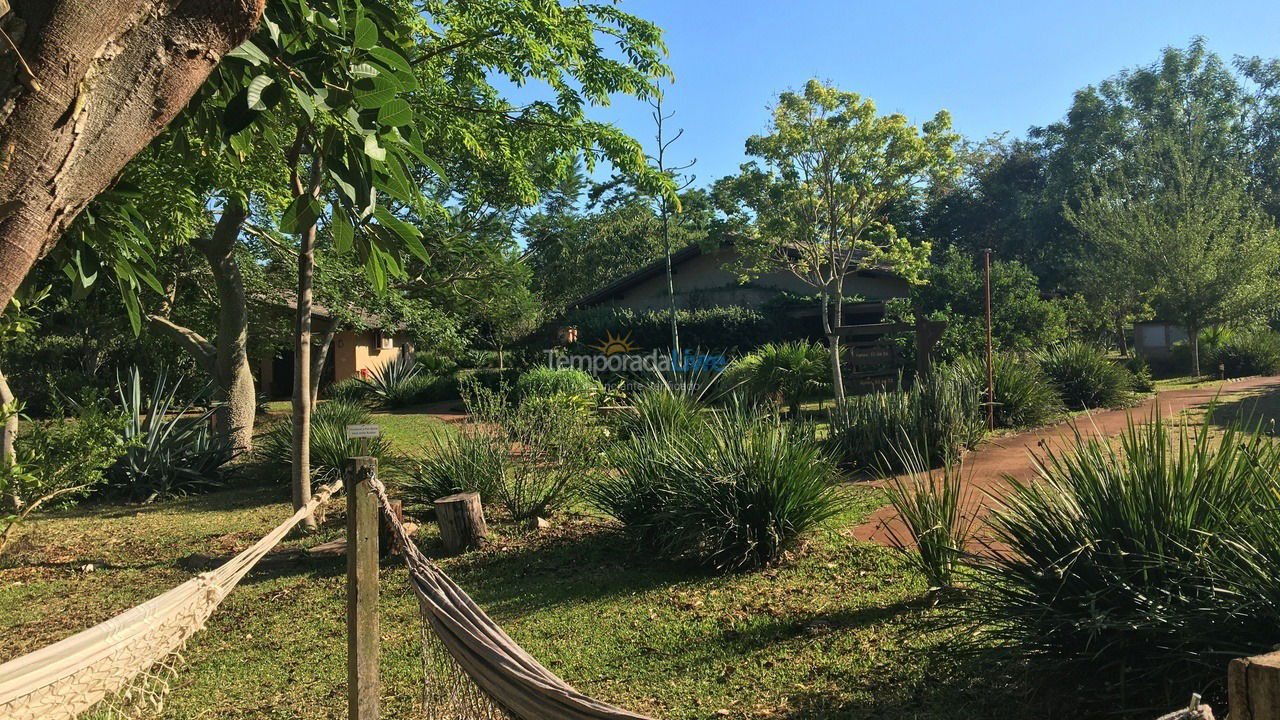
(984,469)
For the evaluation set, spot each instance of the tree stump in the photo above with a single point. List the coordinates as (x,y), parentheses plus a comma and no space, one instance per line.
(461,521)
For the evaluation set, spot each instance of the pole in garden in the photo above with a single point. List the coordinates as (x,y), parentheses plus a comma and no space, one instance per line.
(991,389)
(362,589)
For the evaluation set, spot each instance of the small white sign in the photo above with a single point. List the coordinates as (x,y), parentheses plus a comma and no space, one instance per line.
(363,431)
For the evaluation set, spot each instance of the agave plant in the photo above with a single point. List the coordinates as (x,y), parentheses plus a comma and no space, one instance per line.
(171,448)
(385,381)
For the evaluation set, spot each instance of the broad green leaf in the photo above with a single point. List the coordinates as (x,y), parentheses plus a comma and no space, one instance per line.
(253,97)
(396,112)
(373,149)
(238,115)
(341,229)
(304,102)
(250,53)
(374,92)
(366,34)
(300,215)
(364,70)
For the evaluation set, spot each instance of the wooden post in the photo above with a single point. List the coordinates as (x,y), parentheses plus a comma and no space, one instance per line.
(461,519)
(1253,687)
(362,590)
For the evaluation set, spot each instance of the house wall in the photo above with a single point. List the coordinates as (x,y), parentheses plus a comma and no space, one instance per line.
(703,281)
(356,351)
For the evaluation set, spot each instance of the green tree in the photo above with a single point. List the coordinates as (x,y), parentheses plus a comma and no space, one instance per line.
(1181,210)
(834,172)
(1020,319)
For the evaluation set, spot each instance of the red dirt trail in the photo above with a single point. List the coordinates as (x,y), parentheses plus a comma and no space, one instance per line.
(984,470)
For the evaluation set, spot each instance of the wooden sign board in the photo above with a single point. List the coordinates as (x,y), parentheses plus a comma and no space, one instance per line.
(871,383)
(874,354)
(363,431)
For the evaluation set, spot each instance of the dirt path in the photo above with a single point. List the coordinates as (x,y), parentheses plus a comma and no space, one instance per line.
(984,469)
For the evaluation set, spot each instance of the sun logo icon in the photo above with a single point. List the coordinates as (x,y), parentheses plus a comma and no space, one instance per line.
(613,344)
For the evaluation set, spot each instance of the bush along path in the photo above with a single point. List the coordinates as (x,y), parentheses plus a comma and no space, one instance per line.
(984,470)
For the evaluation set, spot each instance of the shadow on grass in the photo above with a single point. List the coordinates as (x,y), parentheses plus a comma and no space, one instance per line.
(589,561)
(1256,410)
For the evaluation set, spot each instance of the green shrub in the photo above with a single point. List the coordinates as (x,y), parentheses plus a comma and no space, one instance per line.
(730,328)
(545,382)
(549,447)
(1140,370)
(170,447)
(734,494)
(1085,377)
(351,390)
(931,506)
(1024,396)
(1154,561)
(59,462)
(939,418)
(791,372)
(1255,352)
(329,444)
(466,461)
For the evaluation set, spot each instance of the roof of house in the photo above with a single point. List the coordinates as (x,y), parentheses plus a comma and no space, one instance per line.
(658,267)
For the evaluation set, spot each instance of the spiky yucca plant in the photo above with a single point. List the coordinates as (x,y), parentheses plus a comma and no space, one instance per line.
(1085,377)
(1148,561)
(1024,396)
(931,505)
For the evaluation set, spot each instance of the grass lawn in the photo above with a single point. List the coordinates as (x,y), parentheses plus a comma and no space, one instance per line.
(408,428)
(840,631)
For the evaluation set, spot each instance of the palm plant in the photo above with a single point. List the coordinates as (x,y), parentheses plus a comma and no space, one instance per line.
(791,371)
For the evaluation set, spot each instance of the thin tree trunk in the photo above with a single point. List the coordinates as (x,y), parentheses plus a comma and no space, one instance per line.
(9,437)
(301,481)
(91,83)
(833,346)
(1193,335)
(319,358)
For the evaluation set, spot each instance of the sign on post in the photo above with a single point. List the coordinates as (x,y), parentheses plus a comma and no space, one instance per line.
(355,432)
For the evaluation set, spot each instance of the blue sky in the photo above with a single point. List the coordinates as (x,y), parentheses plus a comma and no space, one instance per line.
(996,66)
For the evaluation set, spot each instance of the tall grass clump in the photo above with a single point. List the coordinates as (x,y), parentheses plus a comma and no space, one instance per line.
(656,408)
(939,417)
(734,494)
(528,458)
(330,446)
(788,373)
(936,532)
(467,461)
(1024,396)
(1154,561)
(1085,377)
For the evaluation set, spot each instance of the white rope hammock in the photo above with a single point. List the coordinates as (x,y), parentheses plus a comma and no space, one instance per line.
(63,680)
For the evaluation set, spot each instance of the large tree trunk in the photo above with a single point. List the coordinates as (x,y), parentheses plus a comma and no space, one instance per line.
(226,359)
(91,84)
(302,346)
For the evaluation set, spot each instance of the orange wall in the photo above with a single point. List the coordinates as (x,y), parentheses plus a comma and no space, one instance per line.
(356,351)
